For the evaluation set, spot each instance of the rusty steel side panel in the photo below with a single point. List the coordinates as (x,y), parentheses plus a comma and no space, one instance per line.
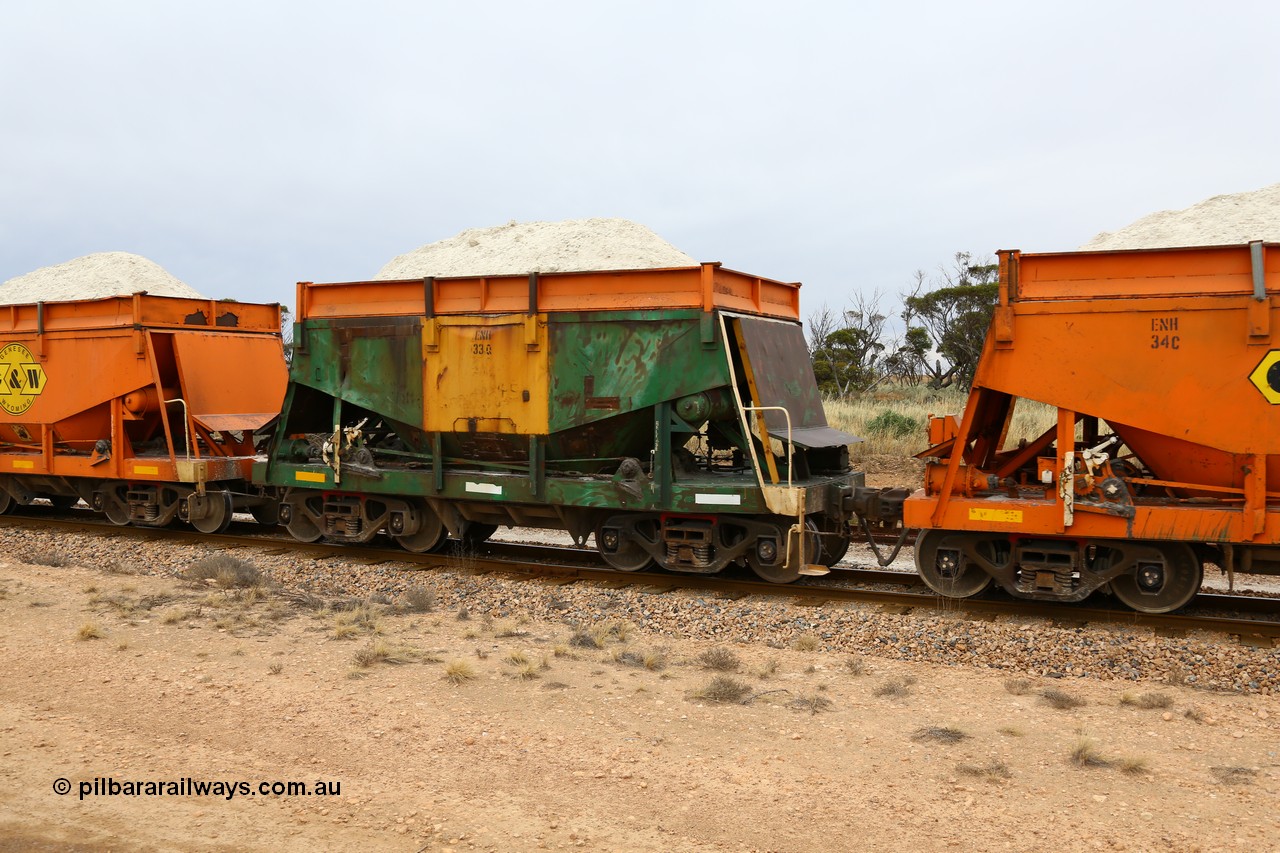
(374,362)
(1162,273)
(231,382)
(485,374)
(1171,363)
(138,310)
(706,287)
(75,375)
(607,364)
(784,377)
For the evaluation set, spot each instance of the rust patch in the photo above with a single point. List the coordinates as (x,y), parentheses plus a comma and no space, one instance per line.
(591,401)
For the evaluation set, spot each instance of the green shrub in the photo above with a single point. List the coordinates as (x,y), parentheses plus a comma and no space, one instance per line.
(894,424)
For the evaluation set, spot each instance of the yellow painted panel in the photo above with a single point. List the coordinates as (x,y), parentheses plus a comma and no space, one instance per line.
(310,477)
(1005,516)
(146,469)
(492,370)
(22,463)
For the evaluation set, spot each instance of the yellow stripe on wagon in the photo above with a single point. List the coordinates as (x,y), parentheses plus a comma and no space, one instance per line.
(23,463)
(310,476)
(1006,516)
(146,469)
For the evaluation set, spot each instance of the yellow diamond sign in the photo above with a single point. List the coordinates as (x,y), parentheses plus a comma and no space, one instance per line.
(1266,377)
(21,379)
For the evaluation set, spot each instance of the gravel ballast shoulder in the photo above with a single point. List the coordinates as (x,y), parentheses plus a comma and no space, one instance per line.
(1029,646)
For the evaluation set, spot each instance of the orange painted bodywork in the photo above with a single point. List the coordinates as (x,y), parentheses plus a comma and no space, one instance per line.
(707,286)
(1164,346)
(166,381)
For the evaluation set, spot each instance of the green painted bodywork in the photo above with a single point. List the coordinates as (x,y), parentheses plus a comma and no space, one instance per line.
(614,379)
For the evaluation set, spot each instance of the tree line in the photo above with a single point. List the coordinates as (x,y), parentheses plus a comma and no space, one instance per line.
(944,322)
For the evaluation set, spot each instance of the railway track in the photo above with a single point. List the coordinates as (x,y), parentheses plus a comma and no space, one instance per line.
(1254,620)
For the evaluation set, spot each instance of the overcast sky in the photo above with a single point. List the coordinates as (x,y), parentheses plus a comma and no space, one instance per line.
(246,146)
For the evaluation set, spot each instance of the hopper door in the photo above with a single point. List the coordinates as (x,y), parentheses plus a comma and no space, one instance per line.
(777,396)
(231,382)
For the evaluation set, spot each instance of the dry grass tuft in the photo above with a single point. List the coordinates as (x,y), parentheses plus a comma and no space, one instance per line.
(418,599)
(362,617)
(993,771)
(654,660)
(1234,775)
(1134,765)
(47,558)
(560,650)
(1061,699)
(177,615)
(814,703)
(585,640)
(89,631)
(225,571)
(767,669)
(275,668)
(896,688)
(1149,700)
(806,643)
(505,630)
(528,671)
(380,651)
(516,658)
(1085,753)
(724,689)
(1195,714)
(941,734)
(719,659)
(458,672)
(855,665)
(1018,686)
(1011,731)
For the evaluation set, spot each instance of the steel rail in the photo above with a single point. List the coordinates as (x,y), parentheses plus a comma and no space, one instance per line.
(560,566)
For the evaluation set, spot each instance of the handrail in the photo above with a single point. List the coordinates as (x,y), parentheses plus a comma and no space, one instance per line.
(186,421)
(787,415)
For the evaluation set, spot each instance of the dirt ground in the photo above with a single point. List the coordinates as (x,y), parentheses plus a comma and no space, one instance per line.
(554,744)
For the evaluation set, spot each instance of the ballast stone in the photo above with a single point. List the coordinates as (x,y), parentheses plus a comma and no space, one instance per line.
(517,248)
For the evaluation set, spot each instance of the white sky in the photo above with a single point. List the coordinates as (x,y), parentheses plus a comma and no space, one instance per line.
(246,145)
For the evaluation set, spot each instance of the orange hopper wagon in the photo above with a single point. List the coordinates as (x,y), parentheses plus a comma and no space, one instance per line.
(1163,367)
(145,407)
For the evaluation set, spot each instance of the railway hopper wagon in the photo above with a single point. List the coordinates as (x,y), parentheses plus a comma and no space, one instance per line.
(670,413)
(145,407)
(1163,368)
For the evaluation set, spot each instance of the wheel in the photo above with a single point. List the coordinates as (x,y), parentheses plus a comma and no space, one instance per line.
(477,533)
(431,531)
(266,514)
(833,543)
(116,511)
(1161,586)
(945,569)
(62,503)
(7,502)
(767,557)
(619,550)
(216,514)
(301,527)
